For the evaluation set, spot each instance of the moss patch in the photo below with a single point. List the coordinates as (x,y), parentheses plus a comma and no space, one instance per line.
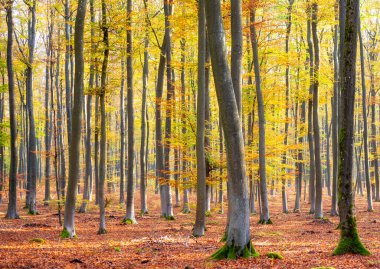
(351,245)
(274,256)
(37,240)
(102,231)
(65,234)
(232,252)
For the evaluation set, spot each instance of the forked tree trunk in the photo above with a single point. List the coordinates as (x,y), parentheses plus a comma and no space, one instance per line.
(238,241)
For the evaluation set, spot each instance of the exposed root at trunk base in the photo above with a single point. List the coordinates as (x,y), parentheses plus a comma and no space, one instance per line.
(102,231)
(263,221)
(351,245)
(232,252)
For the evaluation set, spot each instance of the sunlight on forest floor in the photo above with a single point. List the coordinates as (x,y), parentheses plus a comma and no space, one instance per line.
(157,243)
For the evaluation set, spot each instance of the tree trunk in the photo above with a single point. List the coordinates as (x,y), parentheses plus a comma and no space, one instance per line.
(12,205)
(168,8)
(318,167)
(365,124)
(238,241)
(130,215)
(74,150)
(88,173)
(144,137)
(334,117)
(349,239)
(264,215)
(200,219)
(32,148)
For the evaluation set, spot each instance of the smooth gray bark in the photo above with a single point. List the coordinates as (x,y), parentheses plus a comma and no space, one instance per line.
(12,205)
(74,150)
(200,218)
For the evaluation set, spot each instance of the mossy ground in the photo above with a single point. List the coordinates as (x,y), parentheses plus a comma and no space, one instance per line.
(274,256)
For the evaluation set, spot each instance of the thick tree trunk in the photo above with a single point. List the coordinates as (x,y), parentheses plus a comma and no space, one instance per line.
(349,240)
(238,241)
(264,213)
(12,205)
(74,150)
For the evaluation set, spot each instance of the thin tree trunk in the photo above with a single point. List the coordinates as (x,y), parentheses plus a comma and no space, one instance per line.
(365,124)
(264,213)
(200,219)
(74,150)
(12,205)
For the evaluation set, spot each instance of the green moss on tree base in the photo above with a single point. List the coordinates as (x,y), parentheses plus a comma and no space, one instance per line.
(144,212)
(33,213)
(129,221)
(262,221)
(65,234)
(275,256)
(232,252)
(351,245)
(186,211)
(102,231)
(169,217)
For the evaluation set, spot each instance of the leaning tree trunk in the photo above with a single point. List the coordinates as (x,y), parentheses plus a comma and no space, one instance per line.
(238,241)
(74,150)
(349,238)
(12,205)
(200,219)
(264,216)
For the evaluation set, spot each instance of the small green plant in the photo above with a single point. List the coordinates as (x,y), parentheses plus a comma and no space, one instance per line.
(208,214)
(37,240)
(117,249)
(275,256)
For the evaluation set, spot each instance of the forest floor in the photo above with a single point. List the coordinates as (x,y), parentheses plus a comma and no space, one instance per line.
(157,243)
